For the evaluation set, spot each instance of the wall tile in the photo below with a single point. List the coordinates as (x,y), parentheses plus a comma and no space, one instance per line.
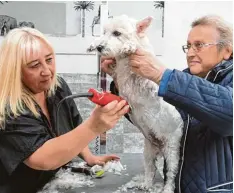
(124,137)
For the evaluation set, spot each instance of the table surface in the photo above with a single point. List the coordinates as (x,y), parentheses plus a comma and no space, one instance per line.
(111,182)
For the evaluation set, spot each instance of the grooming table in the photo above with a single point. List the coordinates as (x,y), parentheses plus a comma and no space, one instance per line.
(111,182)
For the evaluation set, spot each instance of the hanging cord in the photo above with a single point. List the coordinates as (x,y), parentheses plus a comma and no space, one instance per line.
(101,76)
(60,102)
(101,84)
(99,80)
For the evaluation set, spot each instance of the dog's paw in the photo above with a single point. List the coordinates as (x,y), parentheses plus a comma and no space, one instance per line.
(144,186)
(148,185)
(157,187)
(168,189)
(139,182)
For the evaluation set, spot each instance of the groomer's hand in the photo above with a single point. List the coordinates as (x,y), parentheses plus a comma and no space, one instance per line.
(101,160)
(104,118)
(147,65)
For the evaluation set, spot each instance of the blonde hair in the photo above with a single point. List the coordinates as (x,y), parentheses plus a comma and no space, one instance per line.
(14,53)
(223,28)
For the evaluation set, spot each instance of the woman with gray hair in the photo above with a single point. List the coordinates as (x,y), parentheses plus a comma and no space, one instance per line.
(203,94)
(31,149)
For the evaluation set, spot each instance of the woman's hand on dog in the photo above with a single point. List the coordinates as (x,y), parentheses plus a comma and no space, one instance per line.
(147,65)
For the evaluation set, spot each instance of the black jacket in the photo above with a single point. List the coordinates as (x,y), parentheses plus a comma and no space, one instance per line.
(23,135)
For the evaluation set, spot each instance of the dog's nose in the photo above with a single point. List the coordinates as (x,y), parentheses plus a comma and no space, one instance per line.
(100,48)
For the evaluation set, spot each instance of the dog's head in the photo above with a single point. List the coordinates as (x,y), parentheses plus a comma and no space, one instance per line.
(122,35)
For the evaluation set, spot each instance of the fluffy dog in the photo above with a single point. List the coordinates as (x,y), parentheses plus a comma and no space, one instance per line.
(160,122)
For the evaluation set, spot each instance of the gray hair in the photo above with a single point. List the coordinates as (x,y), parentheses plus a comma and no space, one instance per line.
(223,28)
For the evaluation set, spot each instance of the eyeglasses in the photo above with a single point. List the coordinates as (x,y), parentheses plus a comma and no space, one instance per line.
(197,46)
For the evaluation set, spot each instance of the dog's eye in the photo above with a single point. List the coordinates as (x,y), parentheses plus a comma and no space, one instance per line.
(116,33)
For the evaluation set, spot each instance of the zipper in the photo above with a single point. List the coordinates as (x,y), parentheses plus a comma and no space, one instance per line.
(214,188)
(182,159)
(50,130)
(221,71)
(185,136)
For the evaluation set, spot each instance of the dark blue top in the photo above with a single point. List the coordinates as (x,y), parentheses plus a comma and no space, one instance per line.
(206,106)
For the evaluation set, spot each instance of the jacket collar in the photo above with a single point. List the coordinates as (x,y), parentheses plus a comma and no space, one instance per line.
(218,71)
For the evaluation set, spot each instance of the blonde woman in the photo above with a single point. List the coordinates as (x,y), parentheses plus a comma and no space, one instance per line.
(31,152)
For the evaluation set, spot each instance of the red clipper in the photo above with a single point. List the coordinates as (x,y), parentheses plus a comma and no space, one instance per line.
(103,98)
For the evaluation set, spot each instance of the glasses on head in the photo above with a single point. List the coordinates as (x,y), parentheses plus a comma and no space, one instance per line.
(197,46)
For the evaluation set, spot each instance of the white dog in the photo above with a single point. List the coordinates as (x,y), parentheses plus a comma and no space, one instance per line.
(160,122)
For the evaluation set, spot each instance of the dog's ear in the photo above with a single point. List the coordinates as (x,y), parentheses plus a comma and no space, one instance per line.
(142,25)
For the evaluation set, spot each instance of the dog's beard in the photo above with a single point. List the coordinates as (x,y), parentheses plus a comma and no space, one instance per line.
(118,51)
(105,52)
(108,52)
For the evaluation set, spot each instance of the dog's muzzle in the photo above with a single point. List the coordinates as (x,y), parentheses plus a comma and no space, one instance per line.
(99,48)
